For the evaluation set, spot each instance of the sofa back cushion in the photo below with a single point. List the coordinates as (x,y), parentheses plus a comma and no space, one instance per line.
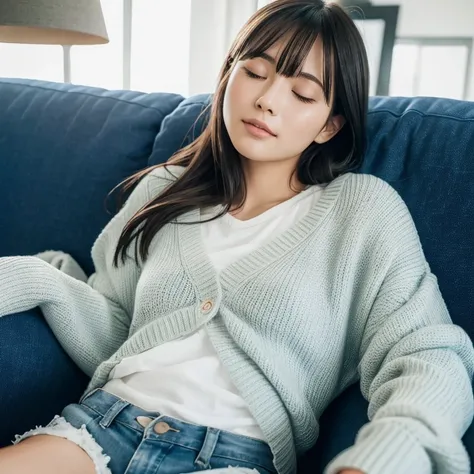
(63,148)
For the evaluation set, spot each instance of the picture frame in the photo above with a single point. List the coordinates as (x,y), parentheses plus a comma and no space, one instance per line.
(378,26)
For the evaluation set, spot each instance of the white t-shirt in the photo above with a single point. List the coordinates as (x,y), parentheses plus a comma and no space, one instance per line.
(184,378)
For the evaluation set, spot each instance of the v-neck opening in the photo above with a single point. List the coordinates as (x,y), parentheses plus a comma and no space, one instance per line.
(196,259)
(270,213)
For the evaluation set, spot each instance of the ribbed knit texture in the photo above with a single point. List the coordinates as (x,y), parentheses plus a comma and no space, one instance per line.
(345,294)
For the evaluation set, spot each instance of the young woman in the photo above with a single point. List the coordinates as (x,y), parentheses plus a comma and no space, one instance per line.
(251,280)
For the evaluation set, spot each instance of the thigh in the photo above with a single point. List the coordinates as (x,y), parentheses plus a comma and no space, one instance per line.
(45,454)
(116,440)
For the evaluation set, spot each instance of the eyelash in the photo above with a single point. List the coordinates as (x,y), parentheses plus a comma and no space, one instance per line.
(252,74)
(305,100)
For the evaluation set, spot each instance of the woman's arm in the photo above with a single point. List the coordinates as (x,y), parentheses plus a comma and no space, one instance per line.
(90,319)
(416,371)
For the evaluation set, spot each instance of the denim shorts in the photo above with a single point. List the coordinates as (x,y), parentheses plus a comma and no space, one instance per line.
(123,439)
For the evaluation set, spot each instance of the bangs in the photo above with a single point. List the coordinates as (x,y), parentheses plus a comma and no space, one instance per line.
(298,27)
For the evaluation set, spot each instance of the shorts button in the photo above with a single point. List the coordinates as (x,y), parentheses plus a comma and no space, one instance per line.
(162,428)
(206,306)
(144,421)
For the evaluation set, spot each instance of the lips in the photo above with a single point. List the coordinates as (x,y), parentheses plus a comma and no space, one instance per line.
(260,125)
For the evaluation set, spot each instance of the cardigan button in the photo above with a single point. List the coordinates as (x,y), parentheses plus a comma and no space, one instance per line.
(206,306)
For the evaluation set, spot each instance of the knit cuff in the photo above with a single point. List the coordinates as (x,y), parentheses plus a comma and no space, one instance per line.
(383,448)
(23,284)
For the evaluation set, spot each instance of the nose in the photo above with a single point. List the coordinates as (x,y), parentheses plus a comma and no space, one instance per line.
(264,105)
(267,102)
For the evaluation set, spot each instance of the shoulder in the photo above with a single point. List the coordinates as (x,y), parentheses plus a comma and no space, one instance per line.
(167,172)
(368,185)
(154,181)
(377,209)
(161,177)
(368,194)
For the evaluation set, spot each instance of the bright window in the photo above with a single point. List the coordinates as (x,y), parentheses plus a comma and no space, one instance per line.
(372,32)
(160,46)
(31,61)
(430,67)
(102,65)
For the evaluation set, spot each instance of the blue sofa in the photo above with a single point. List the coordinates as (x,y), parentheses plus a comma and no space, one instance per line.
(64,147)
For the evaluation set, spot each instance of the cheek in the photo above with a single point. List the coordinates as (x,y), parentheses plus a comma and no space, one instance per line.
(304,125)
(232,97)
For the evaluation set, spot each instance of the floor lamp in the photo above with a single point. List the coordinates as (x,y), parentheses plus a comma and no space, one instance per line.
(54,22)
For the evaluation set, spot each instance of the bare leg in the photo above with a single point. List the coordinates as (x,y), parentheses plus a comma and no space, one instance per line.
(45,454)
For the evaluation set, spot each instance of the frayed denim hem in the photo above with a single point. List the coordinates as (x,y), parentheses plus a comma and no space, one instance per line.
(80,436)
(231,470)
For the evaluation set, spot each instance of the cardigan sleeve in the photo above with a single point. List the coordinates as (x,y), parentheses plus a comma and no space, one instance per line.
(415,369)
(90,318)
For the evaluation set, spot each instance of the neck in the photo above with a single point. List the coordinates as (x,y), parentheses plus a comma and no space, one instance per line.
(268,184)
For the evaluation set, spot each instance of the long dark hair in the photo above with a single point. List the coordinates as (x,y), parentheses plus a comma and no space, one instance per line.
(213,172)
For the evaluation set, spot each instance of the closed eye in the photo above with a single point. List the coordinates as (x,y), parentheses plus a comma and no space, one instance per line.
(252,74)
(305,100)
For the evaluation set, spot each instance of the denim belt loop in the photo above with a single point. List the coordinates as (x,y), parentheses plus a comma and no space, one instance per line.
(87,395)
(112,413)
(208,447)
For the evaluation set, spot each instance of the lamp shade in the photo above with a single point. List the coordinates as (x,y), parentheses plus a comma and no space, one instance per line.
(63,22)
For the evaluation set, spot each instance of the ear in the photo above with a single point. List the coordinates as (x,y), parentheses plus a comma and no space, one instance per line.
(334,124)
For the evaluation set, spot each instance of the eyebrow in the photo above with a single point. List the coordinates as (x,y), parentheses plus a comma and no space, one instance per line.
(304,75)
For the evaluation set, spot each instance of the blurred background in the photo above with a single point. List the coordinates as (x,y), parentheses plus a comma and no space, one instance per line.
(416,47)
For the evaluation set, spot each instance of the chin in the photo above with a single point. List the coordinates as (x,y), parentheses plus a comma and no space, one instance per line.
(251,155)
(253,150)
(258,158)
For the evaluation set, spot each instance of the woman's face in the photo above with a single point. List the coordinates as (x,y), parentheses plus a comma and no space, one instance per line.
(292,109)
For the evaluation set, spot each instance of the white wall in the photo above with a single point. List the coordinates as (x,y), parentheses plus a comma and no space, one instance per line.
(214,25)
(436,18)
